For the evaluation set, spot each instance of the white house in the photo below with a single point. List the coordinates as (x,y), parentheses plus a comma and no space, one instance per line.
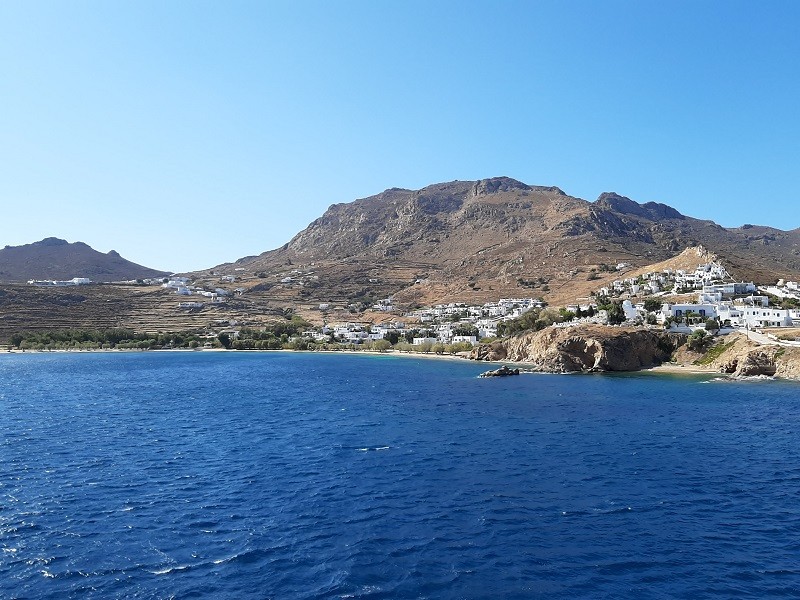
(630,310)
(729,312)
(69,282)
(190,305)
(705,311)
(758,316)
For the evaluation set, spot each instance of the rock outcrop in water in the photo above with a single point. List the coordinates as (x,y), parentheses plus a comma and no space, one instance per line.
(591,348)
(503,371)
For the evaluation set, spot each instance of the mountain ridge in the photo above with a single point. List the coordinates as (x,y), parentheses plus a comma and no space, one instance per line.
(499,237)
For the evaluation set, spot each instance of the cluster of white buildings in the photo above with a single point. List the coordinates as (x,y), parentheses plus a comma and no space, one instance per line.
(444,319)
(784,289)
(355,333)
(299,277)
(752,312)
(358,333)
(505,307)
(53,283)
(182,288)
(676,281)
(703,275)
(734,304)
(385,305)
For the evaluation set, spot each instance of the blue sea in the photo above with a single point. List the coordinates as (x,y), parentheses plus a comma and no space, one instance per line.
(302,475)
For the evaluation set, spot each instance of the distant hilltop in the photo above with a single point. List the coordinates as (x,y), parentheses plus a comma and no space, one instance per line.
(56,259)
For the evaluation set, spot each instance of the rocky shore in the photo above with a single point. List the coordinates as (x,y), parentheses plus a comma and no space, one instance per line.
(586,349)
(595,348)
(746,358)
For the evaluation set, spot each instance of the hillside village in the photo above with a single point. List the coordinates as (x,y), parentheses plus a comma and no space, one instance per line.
(716,297)
(679,300)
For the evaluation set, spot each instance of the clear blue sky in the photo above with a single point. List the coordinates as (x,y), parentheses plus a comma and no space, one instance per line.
(186,134)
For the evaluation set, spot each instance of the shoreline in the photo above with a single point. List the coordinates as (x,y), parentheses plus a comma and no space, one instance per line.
(664,369)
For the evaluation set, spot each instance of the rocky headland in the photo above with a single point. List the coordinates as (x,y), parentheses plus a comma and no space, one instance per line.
(588,349)
(595,348)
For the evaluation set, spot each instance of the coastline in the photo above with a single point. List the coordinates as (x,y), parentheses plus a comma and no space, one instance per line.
(450,357)
(665,369)
(160,350)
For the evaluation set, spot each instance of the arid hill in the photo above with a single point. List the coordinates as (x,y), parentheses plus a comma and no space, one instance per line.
(54,258)
(481,240)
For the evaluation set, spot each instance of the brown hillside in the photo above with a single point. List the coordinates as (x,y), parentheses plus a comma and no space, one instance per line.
(481,240)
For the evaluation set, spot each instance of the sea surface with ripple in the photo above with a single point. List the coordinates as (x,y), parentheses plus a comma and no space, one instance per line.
(302,475)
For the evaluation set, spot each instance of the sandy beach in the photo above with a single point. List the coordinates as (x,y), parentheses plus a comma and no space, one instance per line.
(678,368)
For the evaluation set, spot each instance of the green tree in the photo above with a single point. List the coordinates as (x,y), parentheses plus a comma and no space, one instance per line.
(652,305)
(224,339)
(392,337)
(381,345)
(616,314)
(410,335)
(697,340)
(566,315)
(466,329)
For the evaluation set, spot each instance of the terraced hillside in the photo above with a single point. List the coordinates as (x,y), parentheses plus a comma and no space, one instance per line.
(144,309)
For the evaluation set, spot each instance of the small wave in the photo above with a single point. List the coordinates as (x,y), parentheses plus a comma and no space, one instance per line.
(715,380)
(246,557)
(168,570)
(597,511)
(754,377)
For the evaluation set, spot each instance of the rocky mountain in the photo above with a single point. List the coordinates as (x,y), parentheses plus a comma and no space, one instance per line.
(482,240)
(54,258)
